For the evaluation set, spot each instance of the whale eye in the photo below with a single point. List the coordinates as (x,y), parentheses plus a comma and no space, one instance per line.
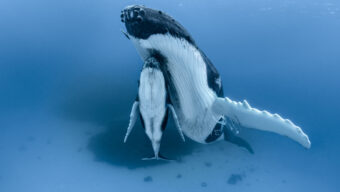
(160,12)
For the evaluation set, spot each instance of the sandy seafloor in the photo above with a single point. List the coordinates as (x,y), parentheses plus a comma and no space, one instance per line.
(68,78)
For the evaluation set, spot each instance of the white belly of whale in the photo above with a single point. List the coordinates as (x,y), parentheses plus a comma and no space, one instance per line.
(189,76)
(152,95)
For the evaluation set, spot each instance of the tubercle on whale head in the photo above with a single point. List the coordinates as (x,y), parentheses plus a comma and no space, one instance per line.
(142,22)
(132,14)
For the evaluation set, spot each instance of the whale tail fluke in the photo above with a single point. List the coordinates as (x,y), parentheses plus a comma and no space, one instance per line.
(157,157)
(251,117)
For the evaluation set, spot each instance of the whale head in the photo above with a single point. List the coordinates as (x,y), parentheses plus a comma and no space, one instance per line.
(142,22)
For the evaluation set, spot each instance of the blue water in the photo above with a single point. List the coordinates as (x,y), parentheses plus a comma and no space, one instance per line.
(68,78)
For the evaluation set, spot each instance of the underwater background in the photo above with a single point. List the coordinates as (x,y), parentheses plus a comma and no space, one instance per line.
(68,78)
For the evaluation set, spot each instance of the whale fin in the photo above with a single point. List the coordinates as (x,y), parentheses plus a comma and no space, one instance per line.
(133,118)
(174,116)
(251,117)
(125,34)
(231,131)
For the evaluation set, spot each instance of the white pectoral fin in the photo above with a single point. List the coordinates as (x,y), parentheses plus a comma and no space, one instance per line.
(263,120)
(174,115)
(133,118)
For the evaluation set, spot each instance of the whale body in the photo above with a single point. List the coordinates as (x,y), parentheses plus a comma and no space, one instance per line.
(152,106)
(194,84)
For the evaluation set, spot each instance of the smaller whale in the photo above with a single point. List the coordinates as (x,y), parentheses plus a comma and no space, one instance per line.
(153,105)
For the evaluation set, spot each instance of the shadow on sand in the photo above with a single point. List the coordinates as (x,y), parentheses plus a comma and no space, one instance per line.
(108,147)
(104,105)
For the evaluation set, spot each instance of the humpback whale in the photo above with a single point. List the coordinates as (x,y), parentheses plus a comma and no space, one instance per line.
(152,105)
(194,85)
